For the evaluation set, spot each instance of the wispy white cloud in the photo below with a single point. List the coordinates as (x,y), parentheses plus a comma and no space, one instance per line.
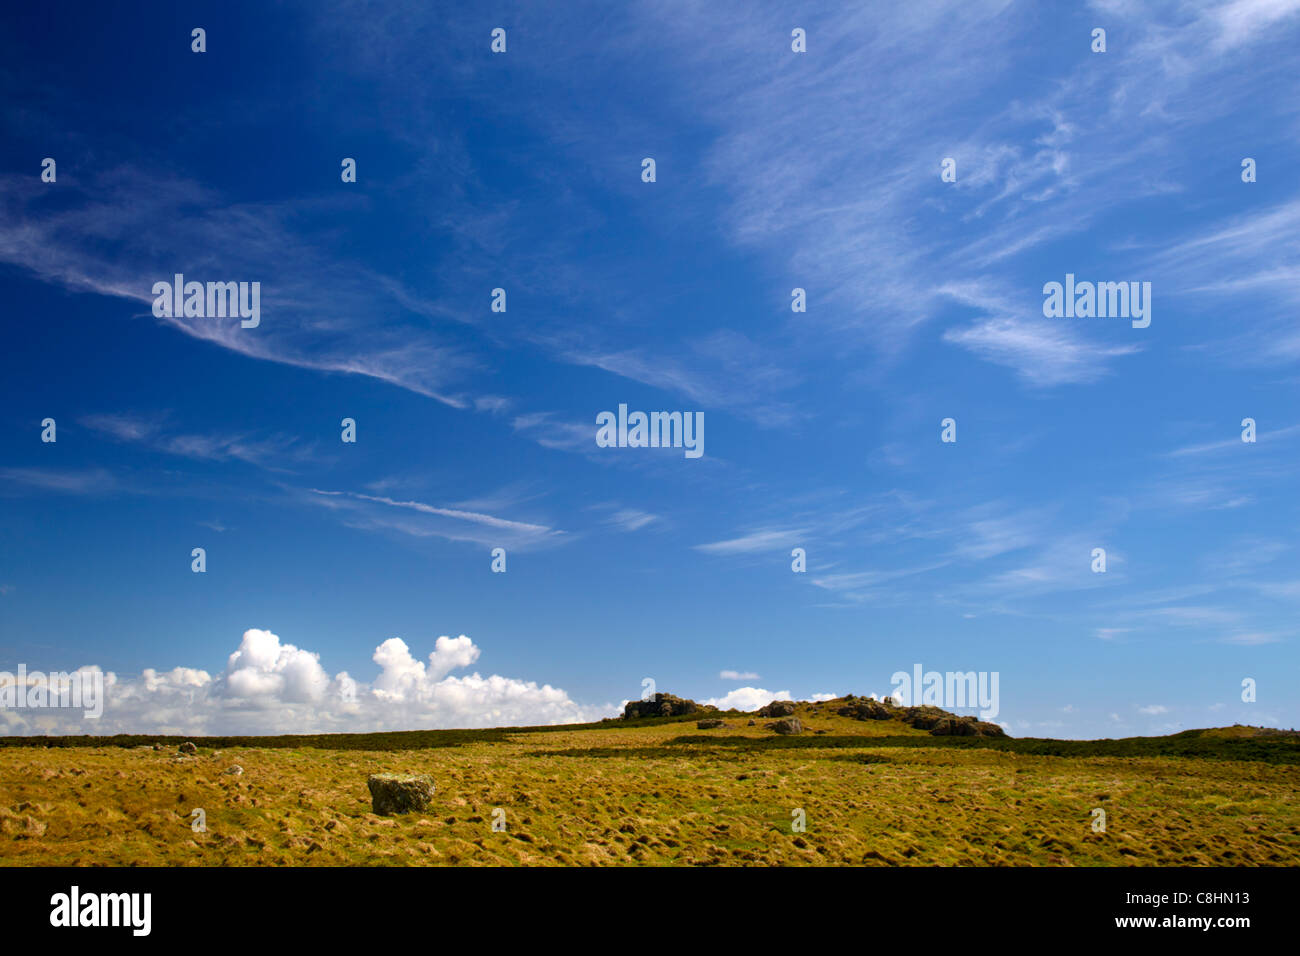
(724,369)
(1043,353)
(1252,638)
(1265,436)
(271,452)
(629,519)
(422,520)
(91,481)
(317,311)
(862,586)
(549,431)
(757,541)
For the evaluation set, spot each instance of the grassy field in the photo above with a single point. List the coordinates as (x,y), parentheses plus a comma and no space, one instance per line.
(659,791)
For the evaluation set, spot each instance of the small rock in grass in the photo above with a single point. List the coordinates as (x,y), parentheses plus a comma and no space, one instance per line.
(791,725)
(395,793)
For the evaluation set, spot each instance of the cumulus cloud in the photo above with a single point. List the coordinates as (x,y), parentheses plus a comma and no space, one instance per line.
(263,668)
(747,698)
(273,687)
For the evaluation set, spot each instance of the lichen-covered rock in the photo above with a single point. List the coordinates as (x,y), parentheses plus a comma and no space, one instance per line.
(790,725)
(925,717)
(710,723)
(864,708)
(966,727)
(661,705)
(395,793)
(188,748)
(778,708)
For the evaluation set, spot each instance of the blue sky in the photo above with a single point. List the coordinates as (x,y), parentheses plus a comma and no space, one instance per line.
(475,429)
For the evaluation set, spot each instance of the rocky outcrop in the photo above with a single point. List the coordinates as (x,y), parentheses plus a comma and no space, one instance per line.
(939,722)
(922,718)
(966,727)
(710,723)
(864,708)
(394,793)
(661,705)
(188,749)
(790,725)
(778,708)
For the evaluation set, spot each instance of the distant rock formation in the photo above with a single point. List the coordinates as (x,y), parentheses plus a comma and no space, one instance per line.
(939,722)
(662,705)
(864,708)
(966,727)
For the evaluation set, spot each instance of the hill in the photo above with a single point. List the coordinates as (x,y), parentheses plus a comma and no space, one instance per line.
(659,790)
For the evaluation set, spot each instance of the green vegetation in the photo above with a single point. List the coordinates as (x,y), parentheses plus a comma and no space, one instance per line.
(658,791)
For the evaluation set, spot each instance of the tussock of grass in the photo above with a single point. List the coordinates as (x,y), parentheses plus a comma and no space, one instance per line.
(659,792)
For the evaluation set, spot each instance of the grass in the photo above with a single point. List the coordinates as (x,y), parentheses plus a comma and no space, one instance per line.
(659,792)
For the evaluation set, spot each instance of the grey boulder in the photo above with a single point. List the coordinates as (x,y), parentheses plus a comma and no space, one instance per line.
(395,793)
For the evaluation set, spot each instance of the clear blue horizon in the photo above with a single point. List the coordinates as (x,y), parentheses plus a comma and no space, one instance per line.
(333,568)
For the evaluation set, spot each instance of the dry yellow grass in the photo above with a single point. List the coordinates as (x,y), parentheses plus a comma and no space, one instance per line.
(622,795)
